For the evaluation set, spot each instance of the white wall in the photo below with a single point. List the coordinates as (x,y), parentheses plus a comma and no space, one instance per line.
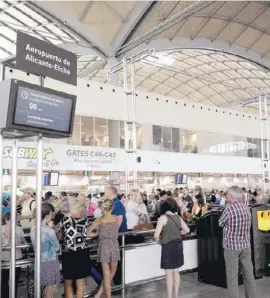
(79,158)
(96,99)
(196,163)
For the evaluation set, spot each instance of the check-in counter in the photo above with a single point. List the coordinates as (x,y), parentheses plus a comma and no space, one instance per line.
(211,263)
(142,262)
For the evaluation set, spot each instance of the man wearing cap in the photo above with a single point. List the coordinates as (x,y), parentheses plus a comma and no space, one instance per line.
(28,207)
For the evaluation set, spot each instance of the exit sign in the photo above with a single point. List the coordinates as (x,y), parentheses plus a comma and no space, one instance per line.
(85,173)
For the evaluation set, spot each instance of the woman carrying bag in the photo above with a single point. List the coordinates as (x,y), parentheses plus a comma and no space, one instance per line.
(169,231)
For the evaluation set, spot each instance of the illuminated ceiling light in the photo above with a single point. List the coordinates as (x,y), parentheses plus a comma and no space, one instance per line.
(159,59)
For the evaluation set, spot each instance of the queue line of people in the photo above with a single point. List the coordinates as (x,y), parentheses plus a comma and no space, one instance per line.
(65,225)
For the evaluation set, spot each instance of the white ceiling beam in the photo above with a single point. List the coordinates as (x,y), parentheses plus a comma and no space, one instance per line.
(244,102)
(82,30)
(136,15)
(201,43)
(84,12)
(176,19)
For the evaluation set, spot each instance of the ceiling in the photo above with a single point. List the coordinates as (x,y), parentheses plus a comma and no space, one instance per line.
(213,52)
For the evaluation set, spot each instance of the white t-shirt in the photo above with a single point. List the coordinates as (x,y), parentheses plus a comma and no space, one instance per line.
(131,214)
(223,201)
(26,211)
(6,242)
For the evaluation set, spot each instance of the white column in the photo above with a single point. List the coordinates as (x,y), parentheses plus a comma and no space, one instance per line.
(147,137)
(113,126)
(113,78)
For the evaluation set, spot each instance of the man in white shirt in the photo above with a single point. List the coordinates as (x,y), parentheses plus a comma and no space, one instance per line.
(245,196)
(28,206)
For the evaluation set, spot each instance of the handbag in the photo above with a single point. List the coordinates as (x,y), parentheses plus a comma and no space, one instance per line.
(144,219)
(179,230)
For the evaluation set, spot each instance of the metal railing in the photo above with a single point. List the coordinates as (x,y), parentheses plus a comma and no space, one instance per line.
(92,247)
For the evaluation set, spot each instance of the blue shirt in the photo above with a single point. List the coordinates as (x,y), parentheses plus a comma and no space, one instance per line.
(119,209)
(6,209)
(49,243)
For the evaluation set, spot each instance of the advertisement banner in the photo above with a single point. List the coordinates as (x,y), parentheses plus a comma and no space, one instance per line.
(43,58)
(64,157)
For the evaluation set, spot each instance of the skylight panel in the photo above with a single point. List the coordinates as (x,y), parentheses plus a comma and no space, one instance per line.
(8,32)
(11,21)
(2,5)
(3,54)
(57,31)
(22,17)
(32,13)
(4,43)
(261,74)
(206,58)
(248,65)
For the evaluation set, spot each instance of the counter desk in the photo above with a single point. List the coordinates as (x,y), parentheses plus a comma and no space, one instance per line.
(142,261)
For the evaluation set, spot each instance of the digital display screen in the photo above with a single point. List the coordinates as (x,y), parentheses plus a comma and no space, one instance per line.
(45,179)
(54,177)
(43,110)
(178,178)
(50,179)
(185,178)
(181,178)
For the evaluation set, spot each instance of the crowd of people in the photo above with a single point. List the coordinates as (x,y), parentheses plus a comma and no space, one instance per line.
(70,220)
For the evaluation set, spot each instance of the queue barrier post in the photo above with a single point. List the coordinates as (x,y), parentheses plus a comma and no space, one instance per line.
(123,265)
(1,188)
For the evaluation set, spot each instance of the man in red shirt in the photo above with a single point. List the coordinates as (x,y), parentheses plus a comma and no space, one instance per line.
(236,223)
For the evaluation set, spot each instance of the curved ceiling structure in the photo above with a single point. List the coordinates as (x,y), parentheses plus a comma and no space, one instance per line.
(200,39)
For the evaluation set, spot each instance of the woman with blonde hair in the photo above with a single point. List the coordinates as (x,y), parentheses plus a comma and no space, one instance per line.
(108,246)
(75,253)
(144,218)
(135,209)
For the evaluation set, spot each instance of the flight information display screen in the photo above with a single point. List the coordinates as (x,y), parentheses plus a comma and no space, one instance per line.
(181,178)
(43,110)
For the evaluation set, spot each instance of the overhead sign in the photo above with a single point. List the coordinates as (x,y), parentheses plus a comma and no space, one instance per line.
(58,157)
(42,58)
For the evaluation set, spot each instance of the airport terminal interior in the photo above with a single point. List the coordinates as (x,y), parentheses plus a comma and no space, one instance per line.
(134,149)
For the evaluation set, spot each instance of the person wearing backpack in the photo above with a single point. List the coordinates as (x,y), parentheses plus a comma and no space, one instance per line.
(27,218)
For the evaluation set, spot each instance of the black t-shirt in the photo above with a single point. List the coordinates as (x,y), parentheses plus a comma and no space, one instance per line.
(190,203)
(58,217)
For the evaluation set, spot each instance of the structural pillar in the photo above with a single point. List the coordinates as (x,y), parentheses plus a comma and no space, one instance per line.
(113,78)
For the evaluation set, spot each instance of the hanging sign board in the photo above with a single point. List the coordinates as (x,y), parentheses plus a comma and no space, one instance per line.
(32,108)
(42,58)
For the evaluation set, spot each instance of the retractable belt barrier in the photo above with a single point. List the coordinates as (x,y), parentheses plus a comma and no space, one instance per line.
(31,261)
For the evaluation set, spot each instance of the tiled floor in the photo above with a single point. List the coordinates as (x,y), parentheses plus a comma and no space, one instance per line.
(190,288)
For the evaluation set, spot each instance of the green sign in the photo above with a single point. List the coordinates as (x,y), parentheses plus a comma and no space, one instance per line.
(85,173)
(6,172)
(199,174)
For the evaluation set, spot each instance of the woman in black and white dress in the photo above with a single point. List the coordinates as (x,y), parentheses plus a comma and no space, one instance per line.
(75,253)
(168,232)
